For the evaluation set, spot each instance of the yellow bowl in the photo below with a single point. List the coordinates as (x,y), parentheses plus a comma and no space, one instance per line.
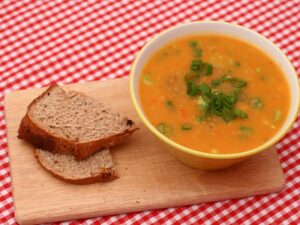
(197,159)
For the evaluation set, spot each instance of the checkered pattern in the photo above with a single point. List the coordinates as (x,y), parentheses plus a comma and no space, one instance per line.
(79,41)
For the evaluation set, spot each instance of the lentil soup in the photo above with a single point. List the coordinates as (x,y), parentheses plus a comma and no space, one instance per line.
(214,94)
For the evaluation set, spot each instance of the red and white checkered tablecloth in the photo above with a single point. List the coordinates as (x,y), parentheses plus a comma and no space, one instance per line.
(79,41)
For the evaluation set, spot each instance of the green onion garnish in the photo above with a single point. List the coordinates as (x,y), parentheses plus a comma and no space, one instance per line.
(237,64)
(164,129)
(238,83)
(256,103)
(197,52)
(147,80)
(192,89)
(207,69)
(215,82)
(169,105)
(186,126)
(246,130)
(240,114)
(193,44)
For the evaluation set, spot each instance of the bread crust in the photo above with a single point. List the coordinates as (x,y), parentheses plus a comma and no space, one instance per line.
(106,174)
(31,132)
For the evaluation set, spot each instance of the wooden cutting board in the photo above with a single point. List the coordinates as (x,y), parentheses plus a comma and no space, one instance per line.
(150,178)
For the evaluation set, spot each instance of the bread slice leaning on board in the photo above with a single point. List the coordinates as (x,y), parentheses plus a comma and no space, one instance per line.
(97,168)
(72,123)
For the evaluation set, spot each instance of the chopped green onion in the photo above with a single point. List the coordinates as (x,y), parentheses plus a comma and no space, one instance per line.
(201,67)
(227,117)
(230,100)
(186,126)
(240,114)
(205,89)
(237,83)
(196,65)
(277,115)
(215,82)
(207,69)
(192,88)
(225,78)
(197,52)
(237,64)
(193,44)
(170,105)
(196,62)
(164,129)
(256,103)
(147,80)
(246,130)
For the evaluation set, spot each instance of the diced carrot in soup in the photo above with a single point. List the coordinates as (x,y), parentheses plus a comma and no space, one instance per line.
(214,94)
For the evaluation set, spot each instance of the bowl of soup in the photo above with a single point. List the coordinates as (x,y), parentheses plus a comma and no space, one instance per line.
(215,93)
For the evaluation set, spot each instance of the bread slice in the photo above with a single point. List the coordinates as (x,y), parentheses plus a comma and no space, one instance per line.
(72,123)
(98,167)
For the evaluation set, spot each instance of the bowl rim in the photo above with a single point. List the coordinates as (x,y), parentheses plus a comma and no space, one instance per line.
(191,151)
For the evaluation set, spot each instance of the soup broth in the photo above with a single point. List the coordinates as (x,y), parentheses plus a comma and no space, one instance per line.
(214,94)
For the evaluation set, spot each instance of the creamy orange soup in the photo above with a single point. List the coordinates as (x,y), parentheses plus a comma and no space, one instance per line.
(214,94)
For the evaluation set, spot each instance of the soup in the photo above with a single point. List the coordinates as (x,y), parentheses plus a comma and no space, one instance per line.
(214,94)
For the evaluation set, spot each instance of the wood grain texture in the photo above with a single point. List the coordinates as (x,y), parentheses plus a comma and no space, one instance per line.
(150,178)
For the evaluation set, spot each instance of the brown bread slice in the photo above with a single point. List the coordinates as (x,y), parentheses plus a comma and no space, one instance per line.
(72,123)
(98,167)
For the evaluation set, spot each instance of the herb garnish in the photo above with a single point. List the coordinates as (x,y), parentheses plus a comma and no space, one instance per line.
(197,52)
(164,128)
(212,102)
(186,126)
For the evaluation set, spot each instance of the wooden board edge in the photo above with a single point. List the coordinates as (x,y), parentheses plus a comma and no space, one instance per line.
(27,219)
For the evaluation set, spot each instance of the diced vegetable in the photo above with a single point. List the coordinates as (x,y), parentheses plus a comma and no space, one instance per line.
(277,115)
(198,52)
(246,130)
(237,64)
(164,129)
(186,127)
(147,80)
(237,83)
(234,63)
(202,103)
(169,104)
(215,82)
(240,114)
(193,44)
(225,78)
(256,103)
